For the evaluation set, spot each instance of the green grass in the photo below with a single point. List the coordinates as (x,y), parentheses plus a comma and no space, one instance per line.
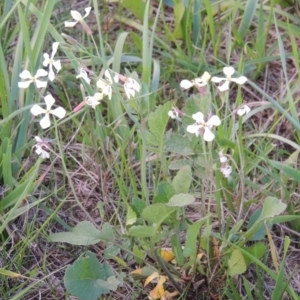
(124,180)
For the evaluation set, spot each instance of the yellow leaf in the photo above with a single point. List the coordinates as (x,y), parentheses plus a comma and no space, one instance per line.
(10,273)
(158,292)
(167,254)
(272,249)
(200,255)
(151,277)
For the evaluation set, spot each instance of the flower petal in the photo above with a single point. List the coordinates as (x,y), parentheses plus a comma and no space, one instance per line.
(111,80)
(224,87)
(76,15)
(54,48)
(70,24)
(198,117)
(51,75)
(45,121)
(243,110)
(87,11)
(57,65)
(24,84)
(49,100)
(186,84)
(26,75)
(213,121)
(46,59)
(217,79)
(38,139)
(41,73)
(239,80)
(59,112)
(228,71)
(208,135)
(194,129)
(226,170)
(37,110)
(40,84)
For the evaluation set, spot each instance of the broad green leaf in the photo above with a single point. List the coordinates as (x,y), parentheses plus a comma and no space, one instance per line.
(87,279)
(236,263)
(131,216)
(179,144)
(157,213)
(84,233)
(157,122)
(271,208)
(179,163)
(258,250)
(165,191)
(260,232)
(136,7)
(181,200)
(182,181)
(141,231)
(177,249)
(178,15)
(138,205)
(190,248)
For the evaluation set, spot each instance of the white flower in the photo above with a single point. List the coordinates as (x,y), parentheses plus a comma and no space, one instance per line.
(45,121)
(131,86)
(228,71)
(200,81)
(48,60)
(105,86)
(223,158)
(39,147)
(79,18)
(93,101)
(243,110)
(226,170)
(111,80)
(26,75)
(175,113)
(202,125)
(83,74)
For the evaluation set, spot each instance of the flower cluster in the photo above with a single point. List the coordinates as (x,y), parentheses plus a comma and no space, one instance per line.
(225,169)
(104,85)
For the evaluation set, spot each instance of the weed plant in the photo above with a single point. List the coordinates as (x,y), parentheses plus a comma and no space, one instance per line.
(149,149)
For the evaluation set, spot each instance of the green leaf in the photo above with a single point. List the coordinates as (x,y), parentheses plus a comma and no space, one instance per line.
(291,172)
(260,232)
(131,216)
(182,181)
(157,213)
(157,123)
(271,208)
(136,7)
(138,205)
(236,263)
(165,191)
(181,200)
(84,233)
(87,279)
(142,231)
(258,250)
(190,248)
(179,163)
(179,144)
(178,15)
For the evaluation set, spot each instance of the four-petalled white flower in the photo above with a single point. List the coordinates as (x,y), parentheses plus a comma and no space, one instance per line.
(243,110)
(45,121)
(200,81)
(93,101)
(131,86)
(225,169)
(83,74)
(201,125)
(79,18)
(26,75)
(48,60)
(228,71)
(40,147)
(105,86)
